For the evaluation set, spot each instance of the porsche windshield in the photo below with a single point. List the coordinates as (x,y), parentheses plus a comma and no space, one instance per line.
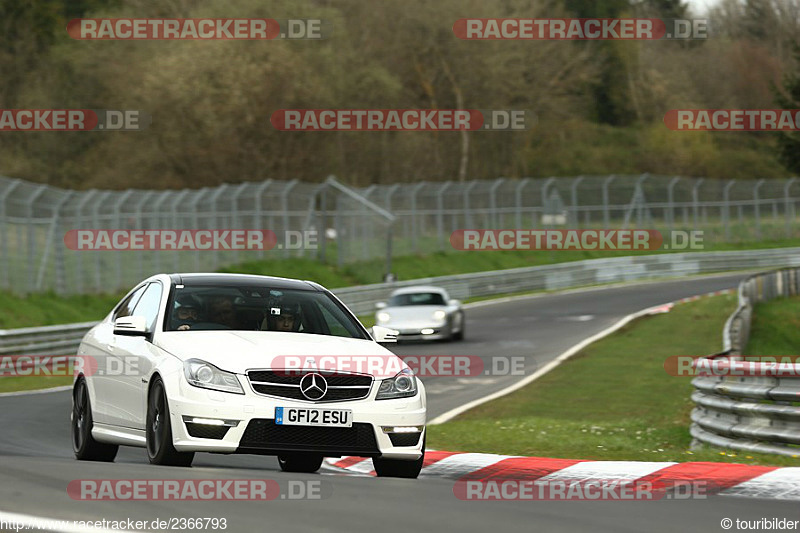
(417,298)
(258,309)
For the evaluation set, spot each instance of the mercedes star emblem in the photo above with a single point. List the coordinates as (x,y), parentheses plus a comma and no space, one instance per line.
(313,386)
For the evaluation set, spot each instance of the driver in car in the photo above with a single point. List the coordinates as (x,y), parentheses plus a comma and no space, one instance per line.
(187,314)
(221,311)
(282,316)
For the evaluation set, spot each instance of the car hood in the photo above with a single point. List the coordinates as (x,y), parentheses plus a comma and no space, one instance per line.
(238,351)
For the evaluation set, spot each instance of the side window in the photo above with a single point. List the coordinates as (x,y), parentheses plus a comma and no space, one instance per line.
(126,307)
(149,304)
(335,327)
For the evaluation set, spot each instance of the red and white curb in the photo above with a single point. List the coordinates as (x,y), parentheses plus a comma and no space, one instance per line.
(766,482)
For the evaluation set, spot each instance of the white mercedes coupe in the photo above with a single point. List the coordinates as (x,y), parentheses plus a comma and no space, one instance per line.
(190,363)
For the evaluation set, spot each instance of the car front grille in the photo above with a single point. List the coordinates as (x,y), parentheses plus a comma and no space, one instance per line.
(286,384)
(263,435)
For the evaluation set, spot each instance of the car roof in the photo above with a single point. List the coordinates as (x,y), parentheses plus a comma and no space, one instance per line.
(235,280)
(419,288)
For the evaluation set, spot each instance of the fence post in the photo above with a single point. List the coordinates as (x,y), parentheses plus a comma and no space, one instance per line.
(727,211)
(175,208)
(440,212)
(606,214)
(118,211)
(493,200)
(285,212)
(757,207)
(467,211)
(4,235)
(367,235)
(415,189)
(32,236)
(671,201)
(788,207)
(260,207)
(574,196)
(50,244)
(98,267)
(695,200)
(521,185)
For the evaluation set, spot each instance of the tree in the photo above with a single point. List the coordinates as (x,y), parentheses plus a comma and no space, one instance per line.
(789,98)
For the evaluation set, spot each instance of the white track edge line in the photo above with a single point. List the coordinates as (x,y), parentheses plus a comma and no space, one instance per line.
(36,391)
(545,369)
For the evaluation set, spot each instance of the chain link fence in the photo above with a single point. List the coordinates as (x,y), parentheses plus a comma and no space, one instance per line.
(360,224)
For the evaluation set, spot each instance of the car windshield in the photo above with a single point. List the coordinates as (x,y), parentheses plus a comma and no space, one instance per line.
(258,309)
(417,298)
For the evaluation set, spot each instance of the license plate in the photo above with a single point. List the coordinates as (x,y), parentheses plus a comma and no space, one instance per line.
(305,416)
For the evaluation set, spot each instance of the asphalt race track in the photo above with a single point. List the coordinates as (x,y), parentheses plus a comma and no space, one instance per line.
(36,462)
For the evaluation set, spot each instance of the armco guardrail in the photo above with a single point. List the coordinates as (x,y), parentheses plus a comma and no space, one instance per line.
(757,410)
(53,340)
(362,299)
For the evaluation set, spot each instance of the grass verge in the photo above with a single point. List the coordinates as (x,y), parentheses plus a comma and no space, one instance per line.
(775,329)
(611,401)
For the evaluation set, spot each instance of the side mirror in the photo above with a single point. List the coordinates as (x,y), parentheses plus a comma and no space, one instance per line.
(381,305)
(454,303)
(133,326)
(384,335)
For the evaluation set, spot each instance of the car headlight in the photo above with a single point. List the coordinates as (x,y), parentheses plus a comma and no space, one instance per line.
(403,385)
(439,315)
(207,376)
(383,316)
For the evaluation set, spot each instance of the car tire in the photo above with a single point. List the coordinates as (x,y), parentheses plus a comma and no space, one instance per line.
(160,450)
(85,447)
(460,335)
(300,462)
(399,467)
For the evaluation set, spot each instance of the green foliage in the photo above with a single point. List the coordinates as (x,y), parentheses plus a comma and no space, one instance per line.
(789,98)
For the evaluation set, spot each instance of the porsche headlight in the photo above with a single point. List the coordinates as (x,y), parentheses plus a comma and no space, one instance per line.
(384,317)
(207,376)
(439,315)
(403,385)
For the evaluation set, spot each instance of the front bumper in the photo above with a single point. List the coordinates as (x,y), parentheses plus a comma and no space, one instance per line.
(250,427)
(432,332)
